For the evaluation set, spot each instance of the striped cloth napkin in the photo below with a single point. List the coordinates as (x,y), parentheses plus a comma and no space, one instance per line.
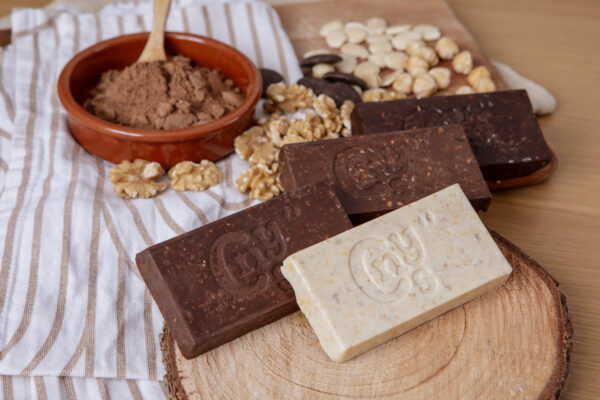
(76,320)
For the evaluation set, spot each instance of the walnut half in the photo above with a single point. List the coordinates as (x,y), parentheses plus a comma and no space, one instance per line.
(261,181)
(254,145)
(187,175)
(137,179)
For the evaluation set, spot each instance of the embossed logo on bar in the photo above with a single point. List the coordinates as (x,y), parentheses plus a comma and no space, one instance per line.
(389,268)
(246,263)
(364,172)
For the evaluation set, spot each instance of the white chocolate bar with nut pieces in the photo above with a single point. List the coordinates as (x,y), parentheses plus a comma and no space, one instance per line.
(378,280)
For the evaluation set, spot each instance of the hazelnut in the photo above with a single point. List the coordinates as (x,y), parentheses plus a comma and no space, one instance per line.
(424,86)
(465,89)
(463,62)
(416,65)
(446,48)
(403,83)
(441,76)
(477,73)
(484,85)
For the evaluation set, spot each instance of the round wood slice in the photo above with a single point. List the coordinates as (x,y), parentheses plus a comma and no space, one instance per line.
(510,343)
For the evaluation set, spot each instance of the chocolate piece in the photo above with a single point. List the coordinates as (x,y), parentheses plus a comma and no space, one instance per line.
(340,92)
(317,85)
(501,127)
(320,59)
(350,79)
(374,174)
(222,280)
(269,77)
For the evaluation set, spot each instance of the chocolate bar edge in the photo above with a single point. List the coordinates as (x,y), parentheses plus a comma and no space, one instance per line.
(168,307)
(491,172)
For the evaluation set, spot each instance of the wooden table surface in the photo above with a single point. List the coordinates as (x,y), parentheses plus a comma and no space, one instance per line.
(558,223)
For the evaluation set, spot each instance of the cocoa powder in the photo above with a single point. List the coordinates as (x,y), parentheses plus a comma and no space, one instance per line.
(167,94)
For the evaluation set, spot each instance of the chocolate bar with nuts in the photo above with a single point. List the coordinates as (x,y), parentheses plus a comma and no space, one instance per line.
(374,174)
(501,126)
(222,280)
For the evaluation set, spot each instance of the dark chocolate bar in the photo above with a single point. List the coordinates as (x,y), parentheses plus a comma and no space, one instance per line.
(374,174)
(501,126)
(220,281)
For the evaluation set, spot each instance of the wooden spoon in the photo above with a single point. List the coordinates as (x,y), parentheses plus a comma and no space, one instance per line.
(155,46)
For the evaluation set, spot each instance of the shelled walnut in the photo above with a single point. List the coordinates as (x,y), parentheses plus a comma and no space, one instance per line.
(187,175)
(137,179)
(260,144)
(327,110)
(254,145)
(308,129)
(261,181)
(290,98)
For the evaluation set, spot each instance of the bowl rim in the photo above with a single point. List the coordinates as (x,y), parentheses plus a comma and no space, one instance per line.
(208,129)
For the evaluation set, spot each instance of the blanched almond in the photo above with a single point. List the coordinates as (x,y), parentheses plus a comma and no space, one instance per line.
(377,25)
(315,52)
(396,29)
(378,58)
(429,32)
(390,77)
(347,64)
(355,50)
(335,39)
(380,47)
(395,60)
(366,68)
(355,35)
(331,26)
(401,40)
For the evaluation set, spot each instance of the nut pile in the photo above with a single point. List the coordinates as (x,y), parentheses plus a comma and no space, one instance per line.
(393,62)
(140,177)
(260,144)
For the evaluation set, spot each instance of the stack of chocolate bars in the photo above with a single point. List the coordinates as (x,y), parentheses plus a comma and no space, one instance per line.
(410,181)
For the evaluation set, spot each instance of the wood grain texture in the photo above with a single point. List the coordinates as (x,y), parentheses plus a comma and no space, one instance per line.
(557,222)
(510,343)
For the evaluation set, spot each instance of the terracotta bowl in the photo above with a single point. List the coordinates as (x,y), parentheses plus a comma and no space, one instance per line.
(116,143)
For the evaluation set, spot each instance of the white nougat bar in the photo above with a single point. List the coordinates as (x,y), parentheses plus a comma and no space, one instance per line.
(376,281)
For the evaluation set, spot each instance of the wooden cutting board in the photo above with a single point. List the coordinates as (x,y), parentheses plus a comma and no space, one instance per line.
(302,22)
(510,343)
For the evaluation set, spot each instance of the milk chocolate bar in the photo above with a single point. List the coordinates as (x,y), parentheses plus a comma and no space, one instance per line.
(222,280)
(501,126)
(374,174)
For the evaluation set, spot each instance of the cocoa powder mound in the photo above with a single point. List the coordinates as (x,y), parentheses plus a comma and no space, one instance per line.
(167,94)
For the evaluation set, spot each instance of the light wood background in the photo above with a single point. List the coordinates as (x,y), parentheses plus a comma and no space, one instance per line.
(556,43)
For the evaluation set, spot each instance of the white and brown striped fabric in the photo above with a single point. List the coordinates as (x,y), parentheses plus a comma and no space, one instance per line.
(72,305)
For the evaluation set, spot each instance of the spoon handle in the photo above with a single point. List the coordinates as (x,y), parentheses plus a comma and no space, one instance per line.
(155,46)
